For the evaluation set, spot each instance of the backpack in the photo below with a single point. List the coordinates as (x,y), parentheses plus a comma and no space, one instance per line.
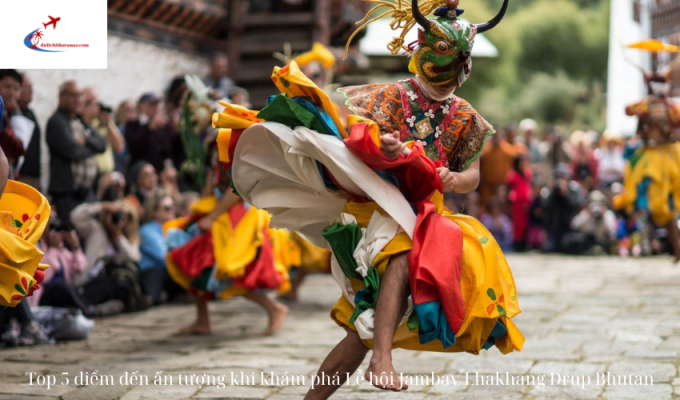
(124,277)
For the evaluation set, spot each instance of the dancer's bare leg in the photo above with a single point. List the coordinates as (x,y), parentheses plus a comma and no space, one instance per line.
(392,303)
(202,325)
(674,237)
(292,294)
(275,311)
(344,359)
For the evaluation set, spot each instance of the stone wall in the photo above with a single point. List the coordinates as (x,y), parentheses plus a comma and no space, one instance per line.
(134,67)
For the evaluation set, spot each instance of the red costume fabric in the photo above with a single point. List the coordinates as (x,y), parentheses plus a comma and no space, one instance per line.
(434,269)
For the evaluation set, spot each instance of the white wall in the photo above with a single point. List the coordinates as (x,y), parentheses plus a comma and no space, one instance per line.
(626,82)
(134,68)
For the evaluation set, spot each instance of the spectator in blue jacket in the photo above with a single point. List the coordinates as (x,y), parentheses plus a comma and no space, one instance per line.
(159,208)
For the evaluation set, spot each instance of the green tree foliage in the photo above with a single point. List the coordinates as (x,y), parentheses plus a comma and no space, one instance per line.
(552,64)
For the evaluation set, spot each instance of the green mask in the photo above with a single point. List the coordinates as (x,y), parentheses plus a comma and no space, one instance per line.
(443,56)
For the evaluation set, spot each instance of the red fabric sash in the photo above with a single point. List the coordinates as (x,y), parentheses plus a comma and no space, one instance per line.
(261,274)
(435,260)
(195,256)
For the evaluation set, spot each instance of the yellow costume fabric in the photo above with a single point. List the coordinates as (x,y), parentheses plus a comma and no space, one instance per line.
(24,213)
(236,247)
(292,82)
(655,167)
(312,258)
(661,166)
(484,269)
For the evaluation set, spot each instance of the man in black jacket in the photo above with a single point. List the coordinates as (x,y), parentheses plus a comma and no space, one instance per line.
(72,145)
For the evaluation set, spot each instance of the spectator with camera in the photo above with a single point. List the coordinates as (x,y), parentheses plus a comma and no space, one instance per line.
(99,118)
(596,224)
(67,261)
(62,252)
(108,228)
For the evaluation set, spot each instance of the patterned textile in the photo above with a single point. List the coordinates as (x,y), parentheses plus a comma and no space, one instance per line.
(454,132)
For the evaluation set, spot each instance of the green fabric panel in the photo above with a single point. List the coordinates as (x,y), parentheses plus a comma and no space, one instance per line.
(287,112)
(368,296)
(201,283)
(412,322)
(343,240)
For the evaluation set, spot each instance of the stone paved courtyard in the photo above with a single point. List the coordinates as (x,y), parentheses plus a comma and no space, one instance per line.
(581,316)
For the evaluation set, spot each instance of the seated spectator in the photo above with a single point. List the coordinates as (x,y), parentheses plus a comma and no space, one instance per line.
(186,199)
(144,179)
(563,203)
(611,162)
(67,261)
(108,229)
(596,224)
(111,187)
(63,254)
(498,224)
(159,209)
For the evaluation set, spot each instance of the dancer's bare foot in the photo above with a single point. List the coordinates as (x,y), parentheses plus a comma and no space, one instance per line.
(291,296)
(382,375)
(277,314)
(195,329)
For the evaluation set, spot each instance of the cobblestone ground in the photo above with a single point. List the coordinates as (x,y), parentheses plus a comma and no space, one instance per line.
(581,316)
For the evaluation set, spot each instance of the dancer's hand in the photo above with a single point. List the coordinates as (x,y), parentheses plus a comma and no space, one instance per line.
(205,223)
(391,146)
(448,178)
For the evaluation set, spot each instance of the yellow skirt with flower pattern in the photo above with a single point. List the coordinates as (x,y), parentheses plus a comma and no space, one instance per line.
(24,213)
(486,284)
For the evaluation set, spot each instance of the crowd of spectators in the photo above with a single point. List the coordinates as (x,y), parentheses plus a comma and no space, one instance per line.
(115,178)
(552,192)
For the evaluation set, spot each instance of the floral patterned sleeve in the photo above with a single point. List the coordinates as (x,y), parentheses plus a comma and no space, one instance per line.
(472,139)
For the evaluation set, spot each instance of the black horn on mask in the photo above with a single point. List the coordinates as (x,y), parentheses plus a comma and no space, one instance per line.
(487,26)
(419,17)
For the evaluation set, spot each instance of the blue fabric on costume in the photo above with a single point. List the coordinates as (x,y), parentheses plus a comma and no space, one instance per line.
(498,331)
(177,238)
(320,113)
(642,202)
(432,324)
(2,111)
